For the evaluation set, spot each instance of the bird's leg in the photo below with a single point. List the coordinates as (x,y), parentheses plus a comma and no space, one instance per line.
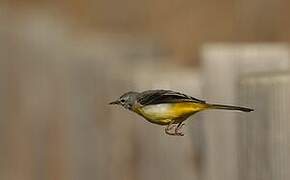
(169,127)
(178,129)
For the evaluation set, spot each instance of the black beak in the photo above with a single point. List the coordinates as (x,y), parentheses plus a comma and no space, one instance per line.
(115,102)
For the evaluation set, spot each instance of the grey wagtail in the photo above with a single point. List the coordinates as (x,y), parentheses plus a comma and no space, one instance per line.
(166,107)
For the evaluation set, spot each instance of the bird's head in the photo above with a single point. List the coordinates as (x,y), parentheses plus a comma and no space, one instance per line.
(127,100)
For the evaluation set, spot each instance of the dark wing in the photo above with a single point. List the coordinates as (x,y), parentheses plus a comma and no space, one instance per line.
(164,96)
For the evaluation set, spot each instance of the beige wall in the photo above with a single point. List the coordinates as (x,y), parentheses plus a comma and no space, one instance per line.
(61,62)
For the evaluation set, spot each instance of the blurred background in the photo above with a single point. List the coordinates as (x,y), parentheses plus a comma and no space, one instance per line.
(61,62)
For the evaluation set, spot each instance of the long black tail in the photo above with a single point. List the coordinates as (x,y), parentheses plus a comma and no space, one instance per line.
(228,107)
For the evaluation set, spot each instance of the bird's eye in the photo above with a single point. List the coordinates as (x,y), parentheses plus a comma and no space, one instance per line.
(122,100)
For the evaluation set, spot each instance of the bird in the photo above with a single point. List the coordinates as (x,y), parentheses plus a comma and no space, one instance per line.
(168,108)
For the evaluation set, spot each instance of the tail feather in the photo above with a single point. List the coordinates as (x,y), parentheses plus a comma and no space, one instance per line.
(229,107)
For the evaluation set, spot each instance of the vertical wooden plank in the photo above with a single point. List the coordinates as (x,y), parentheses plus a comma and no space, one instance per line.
(121,130)
(264,136)
(160,156)
(223,64)
(100,135)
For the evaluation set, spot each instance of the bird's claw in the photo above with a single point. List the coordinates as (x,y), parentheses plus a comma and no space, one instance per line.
(169,128)
(177,130)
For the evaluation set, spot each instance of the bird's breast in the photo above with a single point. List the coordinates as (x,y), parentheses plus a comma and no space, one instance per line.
(169,111)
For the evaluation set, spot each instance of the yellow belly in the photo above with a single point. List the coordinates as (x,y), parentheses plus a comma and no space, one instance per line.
(164,113)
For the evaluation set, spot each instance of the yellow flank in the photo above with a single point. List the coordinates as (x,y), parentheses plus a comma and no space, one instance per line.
(164,113)
(186,108)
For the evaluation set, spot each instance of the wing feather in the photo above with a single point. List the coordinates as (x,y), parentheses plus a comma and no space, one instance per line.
(165,96)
